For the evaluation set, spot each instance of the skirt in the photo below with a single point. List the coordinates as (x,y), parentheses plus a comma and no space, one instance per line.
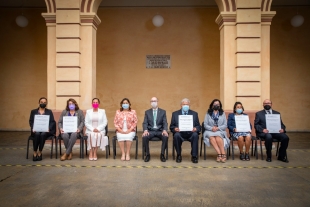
(124,137)
(238,134)
(97,139)
(208,134)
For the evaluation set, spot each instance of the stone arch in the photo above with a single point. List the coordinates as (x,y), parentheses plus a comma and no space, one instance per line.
(51,6)
(226,5)
(90,6)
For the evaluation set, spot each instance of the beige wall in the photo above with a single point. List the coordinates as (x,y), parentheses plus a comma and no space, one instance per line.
(125,36)
(22,65)
(290,68)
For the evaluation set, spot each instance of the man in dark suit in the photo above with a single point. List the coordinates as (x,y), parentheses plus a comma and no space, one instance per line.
(179,136)
(262,131)
(155,125)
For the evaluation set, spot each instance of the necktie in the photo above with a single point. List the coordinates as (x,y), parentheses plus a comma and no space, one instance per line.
(185,113)
(154,117)
(268,112)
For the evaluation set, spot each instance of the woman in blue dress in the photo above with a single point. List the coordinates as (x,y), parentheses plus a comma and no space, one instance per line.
(244,138)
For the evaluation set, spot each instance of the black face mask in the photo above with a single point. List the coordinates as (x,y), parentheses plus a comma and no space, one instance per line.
(42,105)
(267,107)
(216,107)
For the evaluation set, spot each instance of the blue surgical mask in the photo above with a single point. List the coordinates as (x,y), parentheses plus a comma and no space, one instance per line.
(185,108)
(125,106)
(239,111)
(71,106)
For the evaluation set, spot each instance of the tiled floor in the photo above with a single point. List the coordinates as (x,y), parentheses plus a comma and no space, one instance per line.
(109,182)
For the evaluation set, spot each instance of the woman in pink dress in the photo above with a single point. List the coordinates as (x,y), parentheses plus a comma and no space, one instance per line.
(125,123)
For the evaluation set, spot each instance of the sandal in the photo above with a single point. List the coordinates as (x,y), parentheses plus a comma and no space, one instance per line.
(219,158)
(123,158)
(242,157)
(223,158)
(247,157)
(127,157)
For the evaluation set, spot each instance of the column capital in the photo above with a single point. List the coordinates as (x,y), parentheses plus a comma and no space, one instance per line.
(90,19)
(50,19)
(266,17)
(226,18)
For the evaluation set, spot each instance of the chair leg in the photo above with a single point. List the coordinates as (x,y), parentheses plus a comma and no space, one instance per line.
(143,149)
(52,148)
(114,147)
(201,146)
(167,151)
(232,148)
(261,149)
(256,153)
(106,152)
(56,147)
(173,156)
(27,149)
(277,149)
(204,151)
(252,148)
(137,148)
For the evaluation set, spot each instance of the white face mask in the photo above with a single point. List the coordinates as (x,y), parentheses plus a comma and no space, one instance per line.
(154,104)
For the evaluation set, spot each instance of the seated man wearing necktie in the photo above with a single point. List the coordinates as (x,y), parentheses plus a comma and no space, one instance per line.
(155,125)
(179,136)
(262,131)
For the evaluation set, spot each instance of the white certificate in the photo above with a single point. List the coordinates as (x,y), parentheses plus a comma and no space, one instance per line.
(69,124)
(273,123)
(186,123)
(41,123)
(242,123)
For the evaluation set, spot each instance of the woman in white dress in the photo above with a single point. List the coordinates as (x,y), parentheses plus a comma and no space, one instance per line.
(125,123)
(215,124)
(95,122)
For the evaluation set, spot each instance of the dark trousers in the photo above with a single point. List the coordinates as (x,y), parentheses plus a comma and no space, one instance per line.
(39,140)
(152,134)
(179,137)
(281,137)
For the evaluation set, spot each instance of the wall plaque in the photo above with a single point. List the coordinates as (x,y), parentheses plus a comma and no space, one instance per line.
(158,61)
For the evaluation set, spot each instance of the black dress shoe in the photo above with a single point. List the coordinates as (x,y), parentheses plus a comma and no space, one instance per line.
(179,159)
(194,159)
(35,158)
(39,158)
(283,159)
(268,159)
(147,158)
(162,158)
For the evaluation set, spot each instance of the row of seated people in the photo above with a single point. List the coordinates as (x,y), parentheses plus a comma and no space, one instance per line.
(155,125)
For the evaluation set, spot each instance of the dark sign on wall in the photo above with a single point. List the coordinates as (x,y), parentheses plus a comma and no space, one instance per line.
(158,61)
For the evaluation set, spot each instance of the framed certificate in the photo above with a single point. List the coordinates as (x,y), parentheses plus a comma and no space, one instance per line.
(186,123)
(242,123)
(273,123)
(69,124)
(41,123)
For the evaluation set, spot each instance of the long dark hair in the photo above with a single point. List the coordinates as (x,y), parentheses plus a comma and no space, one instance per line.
(125,99)
(210,110)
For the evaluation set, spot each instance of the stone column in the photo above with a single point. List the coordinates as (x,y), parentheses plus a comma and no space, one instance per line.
(72,26)
(245,52)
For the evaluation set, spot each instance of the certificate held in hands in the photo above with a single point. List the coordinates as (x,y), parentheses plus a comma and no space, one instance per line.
(41,123)
(69,124)
(273,123)
(186,123)
(242,123)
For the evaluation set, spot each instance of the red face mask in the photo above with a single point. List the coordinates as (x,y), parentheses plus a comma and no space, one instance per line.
(95,105)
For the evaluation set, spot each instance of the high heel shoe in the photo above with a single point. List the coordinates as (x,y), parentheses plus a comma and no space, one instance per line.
(219,158)
(123,158)
(127,157)
(39,158)
(223,160)
(35,158)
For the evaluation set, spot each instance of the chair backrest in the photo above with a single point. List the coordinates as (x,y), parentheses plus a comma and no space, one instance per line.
(106,130)
(202,127)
